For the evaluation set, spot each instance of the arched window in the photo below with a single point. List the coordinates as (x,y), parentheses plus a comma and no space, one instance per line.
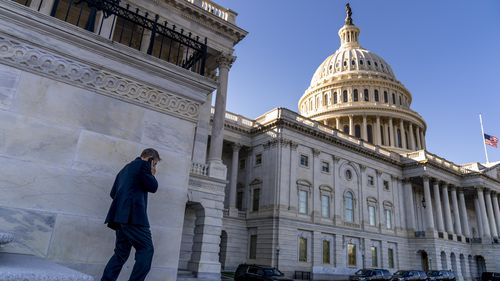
(317,102)
(393,98)
(346,129)
(344,96)
(325,99)
(376,95)
(335,98)
(349,207)
(386,98)
(400,101)
(357,131)
(370,133)
(355,95)
(366,96)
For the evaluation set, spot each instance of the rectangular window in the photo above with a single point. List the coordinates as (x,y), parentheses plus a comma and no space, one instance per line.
(386,98)
(302,202)
(253,247)
(374,256)
(78,13)
(388,218)
(258,159)
(326,251)
(239,200)
(325,167)
(372,215)
(304,160)
(256,199)
(386,185)
(371,180)
(351,255)
(303,249)
(242,164)
(390,256)
(325,206)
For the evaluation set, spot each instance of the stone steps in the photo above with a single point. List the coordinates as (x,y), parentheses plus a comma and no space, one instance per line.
(19,267)
(186,275)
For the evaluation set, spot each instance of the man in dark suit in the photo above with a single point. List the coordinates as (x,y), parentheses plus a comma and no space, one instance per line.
(128,217)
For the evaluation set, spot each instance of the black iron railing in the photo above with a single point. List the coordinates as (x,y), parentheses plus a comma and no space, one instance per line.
(135,29)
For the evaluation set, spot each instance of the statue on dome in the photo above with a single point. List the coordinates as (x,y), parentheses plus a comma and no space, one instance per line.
(348,11)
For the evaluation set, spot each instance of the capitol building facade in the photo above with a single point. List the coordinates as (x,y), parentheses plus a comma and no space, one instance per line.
(344,183)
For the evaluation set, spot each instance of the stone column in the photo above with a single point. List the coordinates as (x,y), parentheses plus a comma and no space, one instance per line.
(422,139)
(364,132)
(217,168)
(419,144)
(412,136)
(454,202)
(337,124)
(494,198)
(428,210)
(45,6)
(463,214)
(391,132)
(234,176)
(377,132)
(447,210)
(479,218)
(146,39)
(351,125)
(491,217)
(439,212)
(410,205)
(386,134)
(484,217)
(403,134)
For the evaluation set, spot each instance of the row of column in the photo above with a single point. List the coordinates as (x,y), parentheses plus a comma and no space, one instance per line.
(416,136)
(486,207)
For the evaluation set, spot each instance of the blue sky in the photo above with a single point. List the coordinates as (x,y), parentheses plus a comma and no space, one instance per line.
(446,53)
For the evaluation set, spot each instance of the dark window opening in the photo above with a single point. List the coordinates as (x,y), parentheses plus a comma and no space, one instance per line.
(366,96)
(355,95)
(376,95)
(357,131)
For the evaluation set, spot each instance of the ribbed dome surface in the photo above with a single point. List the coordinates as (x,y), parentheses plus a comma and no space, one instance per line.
(349,59)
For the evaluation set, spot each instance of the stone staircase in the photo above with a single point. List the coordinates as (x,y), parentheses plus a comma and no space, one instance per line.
(185,275)
(19,267)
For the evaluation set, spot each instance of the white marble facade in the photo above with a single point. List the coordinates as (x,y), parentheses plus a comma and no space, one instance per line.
(324,194)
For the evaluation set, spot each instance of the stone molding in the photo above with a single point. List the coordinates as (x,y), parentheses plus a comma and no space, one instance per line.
(203,186)
(33,59)
(225,60)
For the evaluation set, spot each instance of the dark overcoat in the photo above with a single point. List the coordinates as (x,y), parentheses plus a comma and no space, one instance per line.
(130,195)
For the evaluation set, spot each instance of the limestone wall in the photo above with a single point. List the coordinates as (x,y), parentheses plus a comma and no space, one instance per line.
(60,148)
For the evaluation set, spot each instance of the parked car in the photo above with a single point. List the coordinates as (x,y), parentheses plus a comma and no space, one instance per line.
(371,275)
(441,275)
(254,272)
(407,275)
(490,276)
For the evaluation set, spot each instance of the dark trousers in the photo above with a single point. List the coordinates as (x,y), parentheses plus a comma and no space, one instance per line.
(128,236)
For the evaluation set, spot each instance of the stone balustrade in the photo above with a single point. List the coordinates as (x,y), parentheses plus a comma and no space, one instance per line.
(216,9)
(199,169)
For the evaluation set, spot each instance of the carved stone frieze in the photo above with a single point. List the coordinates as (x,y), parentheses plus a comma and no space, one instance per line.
(42,62)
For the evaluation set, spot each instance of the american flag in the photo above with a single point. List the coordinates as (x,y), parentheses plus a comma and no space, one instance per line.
(490,140)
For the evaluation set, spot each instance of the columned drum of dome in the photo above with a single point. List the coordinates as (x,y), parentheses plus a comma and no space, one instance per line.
(356,87)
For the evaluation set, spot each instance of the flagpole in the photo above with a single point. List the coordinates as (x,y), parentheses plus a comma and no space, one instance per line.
(482,136)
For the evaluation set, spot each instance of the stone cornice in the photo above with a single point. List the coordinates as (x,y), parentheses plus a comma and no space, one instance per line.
(65,67)
(210,21)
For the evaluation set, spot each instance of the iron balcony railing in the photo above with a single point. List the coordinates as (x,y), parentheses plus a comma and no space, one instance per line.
(134,28)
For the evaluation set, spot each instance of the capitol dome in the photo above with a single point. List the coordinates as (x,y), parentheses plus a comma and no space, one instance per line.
(355,91)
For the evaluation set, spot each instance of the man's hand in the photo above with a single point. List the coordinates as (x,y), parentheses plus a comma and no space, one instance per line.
(153,168)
